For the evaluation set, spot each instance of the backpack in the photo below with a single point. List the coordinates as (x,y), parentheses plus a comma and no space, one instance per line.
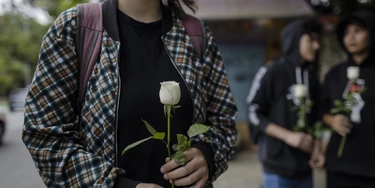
(89,38)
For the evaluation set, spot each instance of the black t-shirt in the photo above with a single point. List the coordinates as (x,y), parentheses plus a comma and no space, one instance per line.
(144,63)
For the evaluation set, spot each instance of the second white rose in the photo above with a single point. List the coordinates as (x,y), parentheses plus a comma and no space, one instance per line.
(300,91)
(353,73)
(170,93)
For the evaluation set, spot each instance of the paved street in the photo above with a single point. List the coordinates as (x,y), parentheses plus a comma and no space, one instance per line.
(17,168)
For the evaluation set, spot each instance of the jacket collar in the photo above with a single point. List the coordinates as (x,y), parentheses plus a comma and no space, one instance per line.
(110,19)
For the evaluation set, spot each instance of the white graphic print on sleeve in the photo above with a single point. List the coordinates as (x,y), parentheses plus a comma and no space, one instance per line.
(253,90)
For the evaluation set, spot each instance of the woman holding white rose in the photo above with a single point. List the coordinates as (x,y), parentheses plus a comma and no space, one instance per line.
(350,154)
(289,83)
(144,44)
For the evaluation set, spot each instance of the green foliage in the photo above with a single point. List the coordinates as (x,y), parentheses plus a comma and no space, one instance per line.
(20,41)
(159,136)
(55,7)
(134,145)
(149,127)
(183,143)
(301,110)
(197,129)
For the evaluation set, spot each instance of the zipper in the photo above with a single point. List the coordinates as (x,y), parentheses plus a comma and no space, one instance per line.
(117,105)
(179,72)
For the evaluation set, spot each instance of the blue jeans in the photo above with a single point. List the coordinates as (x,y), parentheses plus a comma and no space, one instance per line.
(276,181)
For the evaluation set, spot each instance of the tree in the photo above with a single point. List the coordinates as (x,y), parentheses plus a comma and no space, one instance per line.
(20,41)
(55,7)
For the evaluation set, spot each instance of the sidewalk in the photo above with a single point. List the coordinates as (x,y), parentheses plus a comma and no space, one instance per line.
(245,172)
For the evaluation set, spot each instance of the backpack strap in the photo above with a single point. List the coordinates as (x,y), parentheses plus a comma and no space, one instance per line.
(197,33)
(88,42)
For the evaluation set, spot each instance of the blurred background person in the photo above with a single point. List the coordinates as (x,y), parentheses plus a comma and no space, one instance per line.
(354,131)
(285,153)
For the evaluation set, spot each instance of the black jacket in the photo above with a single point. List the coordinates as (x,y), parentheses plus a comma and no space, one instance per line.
(359,151)
(271,101)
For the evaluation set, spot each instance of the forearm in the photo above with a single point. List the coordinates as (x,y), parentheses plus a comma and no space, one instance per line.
(277,131)
(76,166)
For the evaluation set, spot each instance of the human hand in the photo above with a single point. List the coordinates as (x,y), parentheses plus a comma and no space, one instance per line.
(194,172)
(147,185)
(317,158)
(341,124)
(300,140)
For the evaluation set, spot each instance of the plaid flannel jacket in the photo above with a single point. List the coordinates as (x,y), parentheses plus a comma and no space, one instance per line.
(69,152)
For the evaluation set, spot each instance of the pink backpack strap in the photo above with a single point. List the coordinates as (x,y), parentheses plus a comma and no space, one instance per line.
(196,31)
(88,42)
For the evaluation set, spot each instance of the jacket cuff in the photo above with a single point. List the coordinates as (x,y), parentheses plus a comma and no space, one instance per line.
(122,182)
(209,155)
(264,124)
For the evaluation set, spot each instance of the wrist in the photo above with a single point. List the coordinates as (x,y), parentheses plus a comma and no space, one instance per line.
(287,134)
(328,120)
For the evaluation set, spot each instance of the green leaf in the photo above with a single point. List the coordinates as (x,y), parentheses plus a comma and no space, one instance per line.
(310,104)
(149,127)
(176,147)
(197,129)
(301,122)
(335,111)
(167,110)
(296,128)
(339,103)
(134,145)
(179,158)
(363,89)
(318,134)
(159,136)
(188,145)
(181,139)
(350,97)
(318,125)
(347,110)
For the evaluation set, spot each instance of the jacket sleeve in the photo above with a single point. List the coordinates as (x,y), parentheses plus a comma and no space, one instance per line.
(221,110)
(50,129)
(258,100)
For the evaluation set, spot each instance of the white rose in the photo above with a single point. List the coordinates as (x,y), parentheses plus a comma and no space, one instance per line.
(300,91)
(352,73)
(169,93)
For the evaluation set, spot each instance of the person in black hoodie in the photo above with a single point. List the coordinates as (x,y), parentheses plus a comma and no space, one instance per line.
(284,153)
(356,165)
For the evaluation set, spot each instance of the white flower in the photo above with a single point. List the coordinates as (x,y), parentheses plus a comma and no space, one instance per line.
(300,91)
(352,73)
(169,93)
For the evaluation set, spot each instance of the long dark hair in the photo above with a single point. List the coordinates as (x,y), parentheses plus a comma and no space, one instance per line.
(176,7)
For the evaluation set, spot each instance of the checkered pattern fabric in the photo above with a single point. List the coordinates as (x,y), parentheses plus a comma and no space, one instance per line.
(78,148)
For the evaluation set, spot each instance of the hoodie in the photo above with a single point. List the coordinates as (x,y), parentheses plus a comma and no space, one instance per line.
(359,151)
(271,101)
